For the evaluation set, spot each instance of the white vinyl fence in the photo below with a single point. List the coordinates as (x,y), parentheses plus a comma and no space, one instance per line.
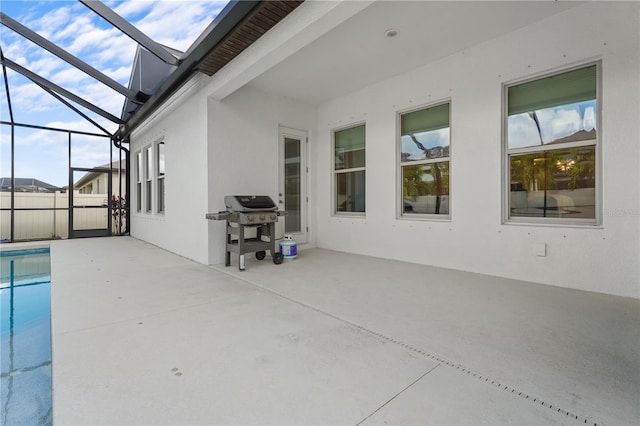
(50,224)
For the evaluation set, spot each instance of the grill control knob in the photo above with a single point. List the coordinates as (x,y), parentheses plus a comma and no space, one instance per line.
(273,216)
(250,218)
(261,217)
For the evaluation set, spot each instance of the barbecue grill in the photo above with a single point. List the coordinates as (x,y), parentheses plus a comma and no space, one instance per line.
(257,212)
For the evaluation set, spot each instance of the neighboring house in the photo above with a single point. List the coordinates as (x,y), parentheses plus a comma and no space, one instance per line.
(27,185)
(453,134)
(97,182)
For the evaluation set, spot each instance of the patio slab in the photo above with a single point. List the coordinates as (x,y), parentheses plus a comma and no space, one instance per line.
(142,336)
(575,350)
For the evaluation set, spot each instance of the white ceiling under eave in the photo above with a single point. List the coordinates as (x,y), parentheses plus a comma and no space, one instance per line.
(357,53)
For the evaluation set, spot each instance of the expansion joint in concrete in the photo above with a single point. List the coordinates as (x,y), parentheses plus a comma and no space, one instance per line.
(397,395)
(441,360)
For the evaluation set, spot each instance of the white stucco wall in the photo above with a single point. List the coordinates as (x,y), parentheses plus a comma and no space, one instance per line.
(230,146)
(182,124)
(243,151)
(602,259)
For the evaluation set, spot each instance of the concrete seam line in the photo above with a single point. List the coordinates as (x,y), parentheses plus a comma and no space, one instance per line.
(397,395)
(440,360)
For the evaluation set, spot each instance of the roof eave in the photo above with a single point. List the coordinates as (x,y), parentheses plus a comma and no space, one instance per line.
(224,23)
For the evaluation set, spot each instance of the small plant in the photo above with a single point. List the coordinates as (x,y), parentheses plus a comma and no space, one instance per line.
(119,211)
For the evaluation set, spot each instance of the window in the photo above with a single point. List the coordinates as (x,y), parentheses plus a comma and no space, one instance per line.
(139,181)
(160,177)
(552,148)
(148,175)
(349,170)
(424,161)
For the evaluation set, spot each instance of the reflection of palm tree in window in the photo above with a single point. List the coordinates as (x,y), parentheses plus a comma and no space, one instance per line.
(435,171)
(534,117)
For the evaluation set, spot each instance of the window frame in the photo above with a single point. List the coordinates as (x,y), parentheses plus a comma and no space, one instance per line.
(507,219)
(335,173)
(148,178)
(160,177)
(400,214)
(139,178)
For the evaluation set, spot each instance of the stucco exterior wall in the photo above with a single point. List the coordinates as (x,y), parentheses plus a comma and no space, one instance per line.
(230,146)
(243,151)
(182,124)
(602,259)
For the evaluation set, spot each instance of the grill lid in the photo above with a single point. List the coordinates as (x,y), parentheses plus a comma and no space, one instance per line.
(249,203)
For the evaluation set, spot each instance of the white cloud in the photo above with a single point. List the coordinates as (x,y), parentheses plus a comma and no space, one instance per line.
(130,9)
(69,75)
(27,98)
(589,121)
(559,123)
(522,131)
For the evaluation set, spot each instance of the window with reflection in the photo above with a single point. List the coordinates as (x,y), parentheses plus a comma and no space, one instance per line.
(139,181)
(160,176)
(551,147)
(148,175)
(424,161)
(349,170)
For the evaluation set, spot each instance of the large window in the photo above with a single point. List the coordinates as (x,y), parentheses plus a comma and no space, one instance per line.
(349,170)
(148,176)
(160,176)
(552,148)
(139,181)
(424,161)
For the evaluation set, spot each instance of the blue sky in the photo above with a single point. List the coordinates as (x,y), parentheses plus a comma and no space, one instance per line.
(75,28)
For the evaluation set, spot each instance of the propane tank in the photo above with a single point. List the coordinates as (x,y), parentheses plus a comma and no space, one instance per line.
(288,247)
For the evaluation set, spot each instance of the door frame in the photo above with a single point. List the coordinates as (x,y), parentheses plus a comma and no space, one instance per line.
(301,237)
(84,233)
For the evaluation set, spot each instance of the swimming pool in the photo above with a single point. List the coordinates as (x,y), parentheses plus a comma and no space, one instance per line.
(25,309)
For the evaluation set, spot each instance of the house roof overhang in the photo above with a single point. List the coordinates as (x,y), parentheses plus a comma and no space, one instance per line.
(236,28)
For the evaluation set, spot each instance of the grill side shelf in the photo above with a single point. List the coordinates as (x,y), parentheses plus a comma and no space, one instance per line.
(218,216)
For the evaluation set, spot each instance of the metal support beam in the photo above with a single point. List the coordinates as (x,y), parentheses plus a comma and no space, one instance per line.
(227,19)
(74,109)
(53,129)
(6,85)
(13,155)
(65,56)
(63,92)
(128,29)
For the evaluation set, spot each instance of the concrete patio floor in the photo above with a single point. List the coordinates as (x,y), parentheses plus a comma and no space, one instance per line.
(142,336)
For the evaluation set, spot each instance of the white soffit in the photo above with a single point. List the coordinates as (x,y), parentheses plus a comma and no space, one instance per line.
(304,25)
(357,53)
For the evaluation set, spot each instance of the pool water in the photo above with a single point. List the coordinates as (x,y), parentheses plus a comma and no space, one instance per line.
(25,310)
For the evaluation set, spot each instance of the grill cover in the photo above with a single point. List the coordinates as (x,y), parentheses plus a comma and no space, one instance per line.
(249,203)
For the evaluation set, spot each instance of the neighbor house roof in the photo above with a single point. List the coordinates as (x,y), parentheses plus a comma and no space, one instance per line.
(27,185)
(89,176)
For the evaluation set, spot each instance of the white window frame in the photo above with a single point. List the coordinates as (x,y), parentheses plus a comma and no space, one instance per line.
(139,178)
(400,214)
(148,178)
(160,198)
(335,173)
(507,153)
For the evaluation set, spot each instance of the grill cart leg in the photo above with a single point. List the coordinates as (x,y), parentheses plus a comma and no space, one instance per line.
(241,248)
(275,249)
(227,260)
